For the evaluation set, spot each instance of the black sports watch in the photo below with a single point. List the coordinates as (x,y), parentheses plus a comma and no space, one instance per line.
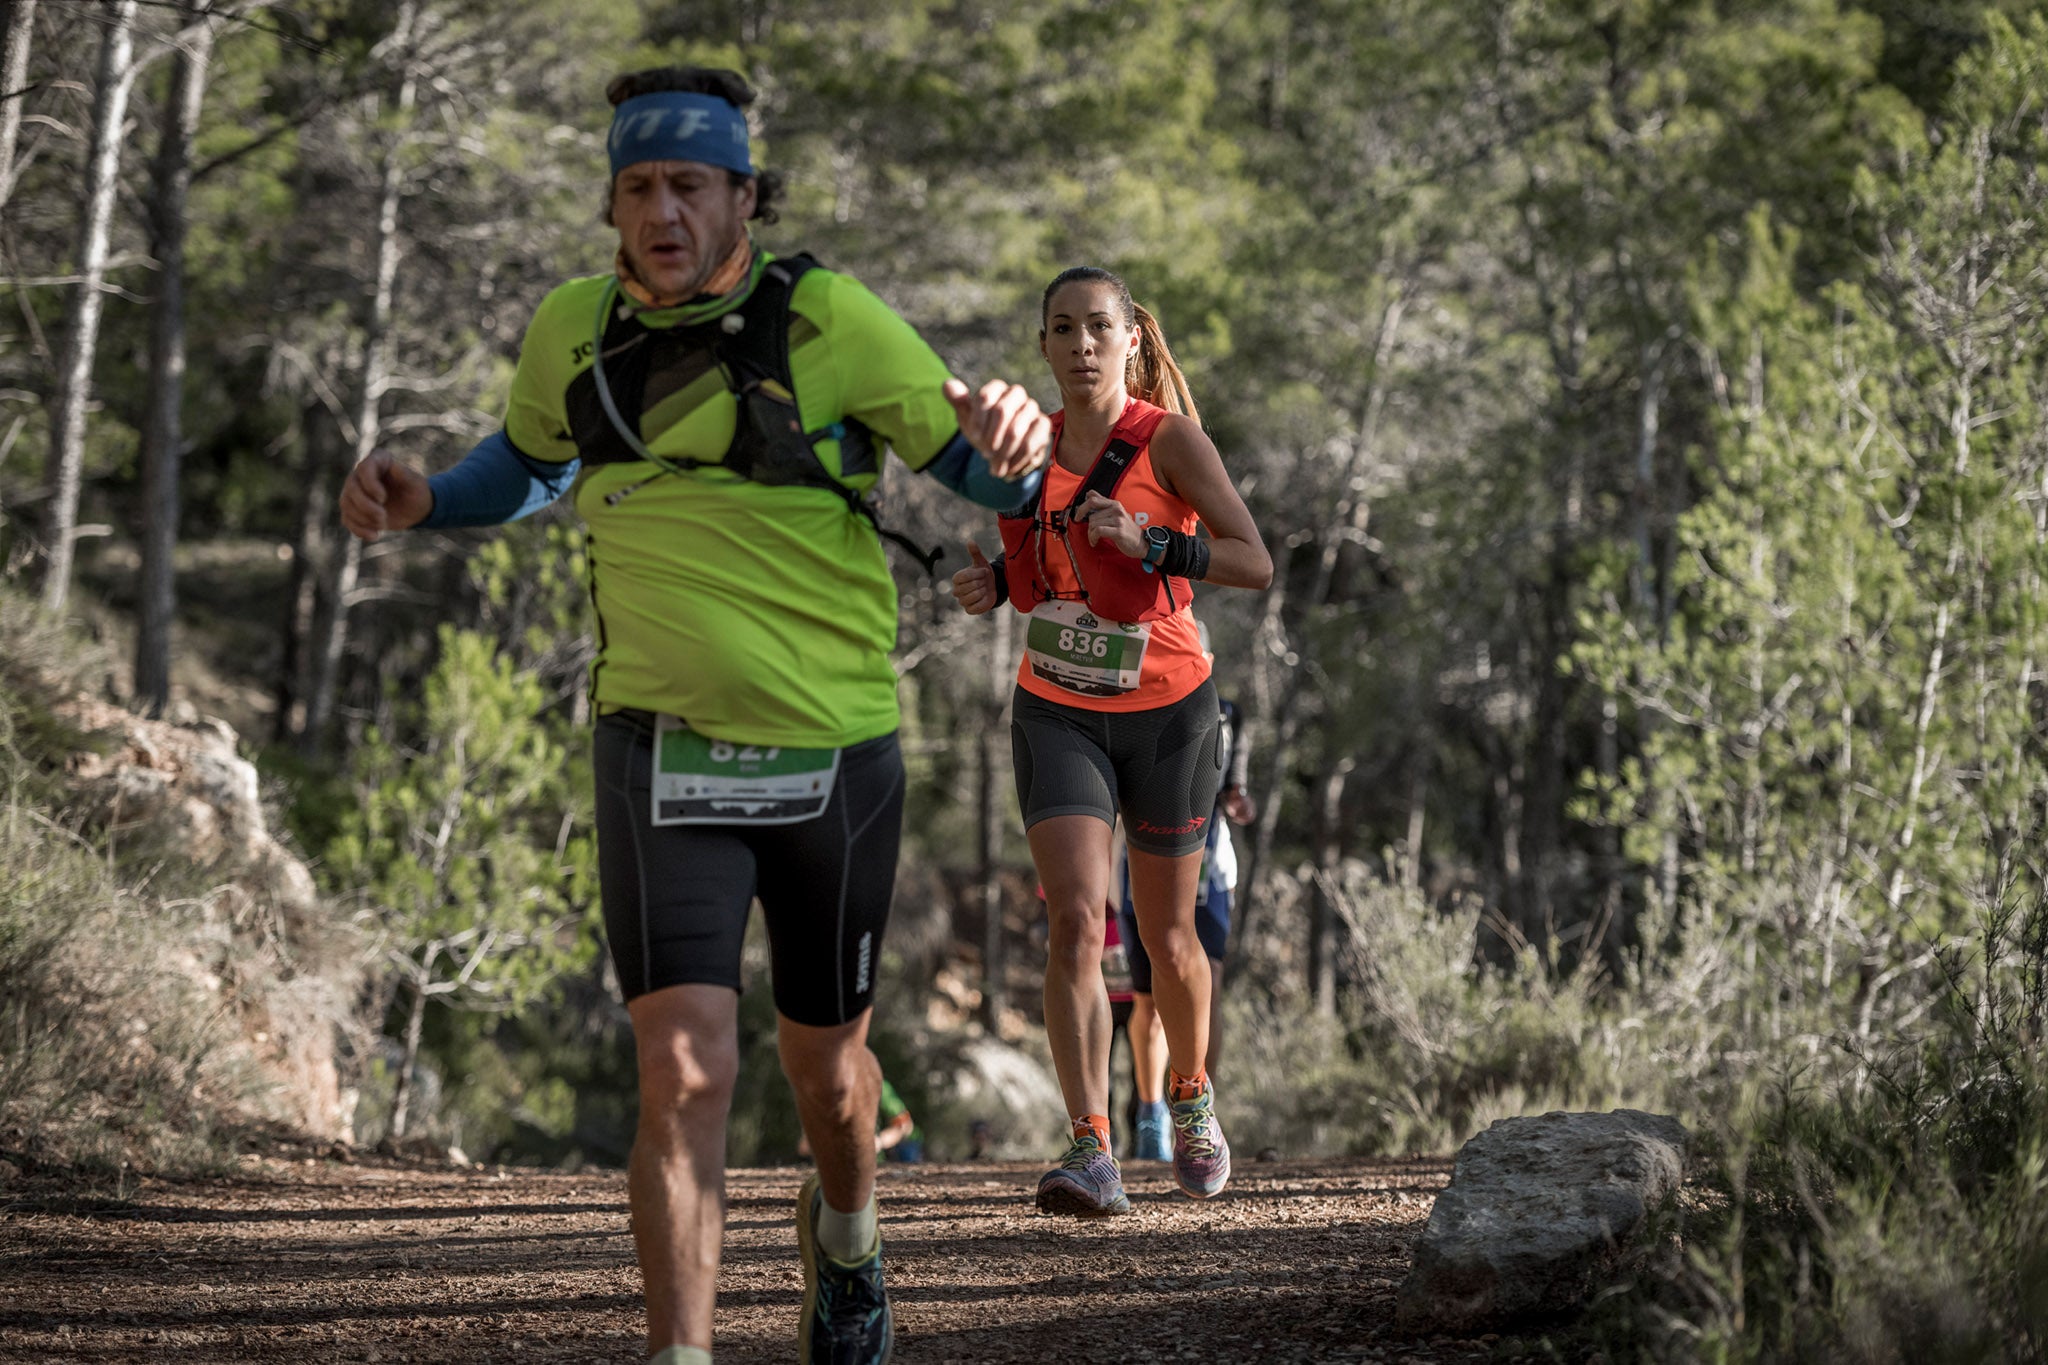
(1158,539)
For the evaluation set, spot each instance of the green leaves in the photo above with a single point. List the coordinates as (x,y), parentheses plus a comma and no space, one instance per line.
(471,846)
(1844,686)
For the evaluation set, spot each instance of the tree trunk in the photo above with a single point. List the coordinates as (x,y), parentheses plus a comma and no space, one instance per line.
(81,340)
(1418,810)
(1322,924)
(163,437)
(21,20)
(1268,645)
(401,1093)
(317,529)
(344,566)
(1353,513)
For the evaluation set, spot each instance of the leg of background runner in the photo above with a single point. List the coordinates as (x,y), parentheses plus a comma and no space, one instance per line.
(1148,1049)
(1215,1015)
(1072,856)
(687,1039)
(1163,892)
(838,1084)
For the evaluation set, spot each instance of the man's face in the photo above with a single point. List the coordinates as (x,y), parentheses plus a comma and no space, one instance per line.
(678,221)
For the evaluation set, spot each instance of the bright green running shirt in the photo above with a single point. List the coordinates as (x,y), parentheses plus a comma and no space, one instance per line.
(760,615)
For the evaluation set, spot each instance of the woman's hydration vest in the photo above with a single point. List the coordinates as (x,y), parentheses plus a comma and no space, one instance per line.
(1113,584)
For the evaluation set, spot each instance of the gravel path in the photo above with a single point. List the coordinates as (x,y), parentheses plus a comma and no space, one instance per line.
(295,1260)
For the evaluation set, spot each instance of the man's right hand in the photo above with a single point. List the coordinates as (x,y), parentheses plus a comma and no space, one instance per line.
(1005,424)
(974,587)
(383,495)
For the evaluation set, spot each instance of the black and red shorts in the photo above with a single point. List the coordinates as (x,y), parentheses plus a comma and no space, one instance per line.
(1159,769)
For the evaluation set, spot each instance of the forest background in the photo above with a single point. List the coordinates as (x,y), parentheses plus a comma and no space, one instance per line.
(1642,400)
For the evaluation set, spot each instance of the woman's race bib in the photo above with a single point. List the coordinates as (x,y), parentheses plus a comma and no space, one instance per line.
(1071,647)
(703,781)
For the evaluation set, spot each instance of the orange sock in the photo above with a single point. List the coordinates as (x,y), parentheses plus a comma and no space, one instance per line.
(1179,1087)
(1096,1125)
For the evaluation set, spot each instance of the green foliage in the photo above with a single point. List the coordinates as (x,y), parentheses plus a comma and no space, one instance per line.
(1643,401)
(1900,1217)
(470,845)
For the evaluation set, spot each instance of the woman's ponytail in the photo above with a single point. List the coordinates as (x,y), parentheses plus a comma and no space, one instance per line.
(1152,373)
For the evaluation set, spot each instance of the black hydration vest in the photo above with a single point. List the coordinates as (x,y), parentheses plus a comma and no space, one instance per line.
(748,346)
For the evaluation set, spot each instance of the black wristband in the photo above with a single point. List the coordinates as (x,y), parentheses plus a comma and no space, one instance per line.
(1002,580)
(1187,556)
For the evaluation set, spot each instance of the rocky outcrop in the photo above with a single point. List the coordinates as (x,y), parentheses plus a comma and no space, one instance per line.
(1540,1214)
(266,946)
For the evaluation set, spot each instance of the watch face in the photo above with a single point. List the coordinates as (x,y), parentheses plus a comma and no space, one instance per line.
(1157,534)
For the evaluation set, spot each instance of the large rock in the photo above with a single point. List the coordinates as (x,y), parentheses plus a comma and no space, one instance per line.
(186,791)
(1540,1213)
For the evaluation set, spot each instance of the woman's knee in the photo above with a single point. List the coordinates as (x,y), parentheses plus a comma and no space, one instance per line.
(1176,951)
(1075,930)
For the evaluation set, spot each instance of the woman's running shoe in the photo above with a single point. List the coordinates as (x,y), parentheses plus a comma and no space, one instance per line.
(1153,1141)
(1086,1183)
(1201,1157)
(846,1317)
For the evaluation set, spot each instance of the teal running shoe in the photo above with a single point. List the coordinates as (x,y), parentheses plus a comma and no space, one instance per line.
(1201,1157)
(846,1317)
(1153,1140)
(1086,1183)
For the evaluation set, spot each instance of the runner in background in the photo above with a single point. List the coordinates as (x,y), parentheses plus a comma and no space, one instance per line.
(1114,712)
(1217,886)
(897,1136)
(1116,981)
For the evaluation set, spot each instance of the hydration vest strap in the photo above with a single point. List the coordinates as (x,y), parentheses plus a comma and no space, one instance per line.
(1106,474)
(752,360)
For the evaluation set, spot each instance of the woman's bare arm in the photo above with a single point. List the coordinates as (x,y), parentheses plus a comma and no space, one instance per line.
(1187,465)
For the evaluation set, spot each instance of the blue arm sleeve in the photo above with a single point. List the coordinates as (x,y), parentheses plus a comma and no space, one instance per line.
(494,484)
(960,467)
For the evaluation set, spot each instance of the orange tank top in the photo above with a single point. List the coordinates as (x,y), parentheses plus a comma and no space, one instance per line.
(1070,657)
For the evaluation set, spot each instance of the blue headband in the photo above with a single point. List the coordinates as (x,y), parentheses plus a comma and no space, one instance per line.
(672,126)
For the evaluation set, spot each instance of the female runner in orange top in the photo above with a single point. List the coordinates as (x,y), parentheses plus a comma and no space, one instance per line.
(1114,712)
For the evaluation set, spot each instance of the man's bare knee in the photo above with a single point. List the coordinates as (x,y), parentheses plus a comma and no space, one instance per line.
(680,1072)
(834,1080)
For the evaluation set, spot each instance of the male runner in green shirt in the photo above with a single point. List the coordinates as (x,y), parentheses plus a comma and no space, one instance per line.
(746,740)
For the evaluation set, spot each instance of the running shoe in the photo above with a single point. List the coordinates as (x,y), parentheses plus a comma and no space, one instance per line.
(1086,1183)
(1201,1157)
(1152,1141)
(846,1317)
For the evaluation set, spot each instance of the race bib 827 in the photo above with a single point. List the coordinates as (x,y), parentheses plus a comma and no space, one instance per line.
(703,781)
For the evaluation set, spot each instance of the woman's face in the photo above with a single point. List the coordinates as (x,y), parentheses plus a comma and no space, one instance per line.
(1086,340)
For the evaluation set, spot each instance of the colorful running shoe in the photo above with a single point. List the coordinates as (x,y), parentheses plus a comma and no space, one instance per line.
(846,1317)
(1201,1157)
(1086,1183)
(1152,1141)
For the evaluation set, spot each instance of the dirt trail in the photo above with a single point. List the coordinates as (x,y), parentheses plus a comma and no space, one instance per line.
(323,1261)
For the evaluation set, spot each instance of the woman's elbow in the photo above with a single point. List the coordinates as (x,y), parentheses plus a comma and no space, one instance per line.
(1254,575)
(1258,569)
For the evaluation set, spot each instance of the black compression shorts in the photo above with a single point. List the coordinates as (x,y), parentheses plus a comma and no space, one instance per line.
(1161,768)
(676,897)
